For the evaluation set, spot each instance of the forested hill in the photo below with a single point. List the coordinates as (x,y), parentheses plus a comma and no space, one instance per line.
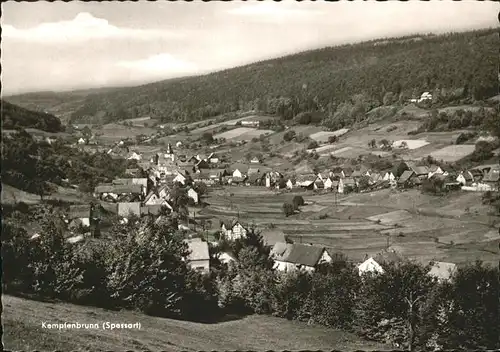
(14,117)
(340,83)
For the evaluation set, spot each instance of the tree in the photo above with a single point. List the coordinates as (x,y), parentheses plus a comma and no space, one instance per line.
(289,135)
(372,144)
(200,188)
(288,209)
(297,202)
(332,139)
(208,137)
(87,134)
(483,151)
(312,145)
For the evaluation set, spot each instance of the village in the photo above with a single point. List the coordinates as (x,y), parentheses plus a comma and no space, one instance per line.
(148,191)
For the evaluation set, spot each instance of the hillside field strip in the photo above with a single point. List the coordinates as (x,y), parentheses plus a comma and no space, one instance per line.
(322,136)
(114,132)
(410,143)
(242,133)
(453,153)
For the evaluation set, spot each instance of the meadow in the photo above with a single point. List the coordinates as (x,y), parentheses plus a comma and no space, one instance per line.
(22,322)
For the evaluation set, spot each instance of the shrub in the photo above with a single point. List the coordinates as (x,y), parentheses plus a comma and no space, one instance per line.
(289,135)
(288,209)
(312,145)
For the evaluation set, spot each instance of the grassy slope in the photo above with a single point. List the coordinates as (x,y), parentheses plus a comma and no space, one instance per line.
(22,321)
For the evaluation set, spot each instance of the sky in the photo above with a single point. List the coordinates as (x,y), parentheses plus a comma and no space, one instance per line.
(52,46)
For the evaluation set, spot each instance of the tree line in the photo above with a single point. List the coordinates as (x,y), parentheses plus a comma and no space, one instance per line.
(142,267)
(337,84)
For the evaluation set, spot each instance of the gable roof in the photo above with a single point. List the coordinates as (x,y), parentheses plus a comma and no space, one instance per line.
(492,176)
(198,251)
(253,170)
(272,236)
(442,270)
(297,253)
(79,211)
(253,178)
(386,257)
(152,209)
(239,166)
(349,181)
(405,176)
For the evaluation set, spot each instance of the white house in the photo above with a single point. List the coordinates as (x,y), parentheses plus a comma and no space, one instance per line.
(255,160)
(134,156)
(443,271)
(370,266)
(193,195)
(291,257)
(425,97)
(198,258)
(465,178)
(152,199)
(226,258)
(180,178)
(233,230)
(289,184)
(389,176)
(436,170)
(328,183)
(178,144)
(81,141)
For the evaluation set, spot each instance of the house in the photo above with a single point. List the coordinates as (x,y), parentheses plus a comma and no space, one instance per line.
(306,181)
(426,96)
(376,263)
(375,177)
(436,170)
(236,180)
(193,195)
(389,176)
(272,236)
(346,185)
(81,141)
(492,179)
(182,179)
(289,184)
(226,257)
(143,182)
(125,209)
(134,156)
(328,183)
(114,192)
(199,257)
(251,123)
(405,179)
(78,215)
(421,172)
(254,179)
(442,271)
(290,257)
(465,178)
(164,192)
(202,164)
(239,170)
(255,160)
(318,184)
(202,177)
(151,199)
(233,230)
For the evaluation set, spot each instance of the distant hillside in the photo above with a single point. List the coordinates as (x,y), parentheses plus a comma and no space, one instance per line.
(14,117)
(340,83)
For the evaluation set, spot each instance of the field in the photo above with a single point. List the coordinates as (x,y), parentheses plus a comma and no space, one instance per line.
(421,227)
(411,143)
(22,321)
(322,137)
(453,153)
(242,133)
(11,195)
(114,132)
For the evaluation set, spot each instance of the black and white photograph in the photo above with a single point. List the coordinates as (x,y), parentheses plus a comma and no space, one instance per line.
(250,175)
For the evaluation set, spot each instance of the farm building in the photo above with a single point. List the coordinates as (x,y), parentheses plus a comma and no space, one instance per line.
(255,160)
(78,215)
(443,271)
(330,184)
(233,230)
(226,257)
(81,141)
(435,170)
(143,182)
(492,179)
(134,156)
(405,180)
(115,192)
(253,170)
(198,258)
(182,179)
(306,181)
(151,199)
(202,164)
(389,176)
(291,257)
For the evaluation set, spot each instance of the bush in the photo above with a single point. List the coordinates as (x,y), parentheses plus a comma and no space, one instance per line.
(297,202)
(289,135)
(332,139)
(312,145)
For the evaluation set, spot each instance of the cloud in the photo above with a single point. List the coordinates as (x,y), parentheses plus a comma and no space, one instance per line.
(83,27)
(159,65)
(271,11)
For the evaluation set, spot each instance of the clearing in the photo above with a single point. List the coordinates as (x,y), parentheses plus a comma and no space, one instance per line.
(22,321)
(411,143)
(322,137)
(242,133)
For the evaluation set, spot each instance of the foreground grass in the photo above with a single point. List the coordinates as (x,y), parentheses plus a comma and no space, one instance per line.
(22,322)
